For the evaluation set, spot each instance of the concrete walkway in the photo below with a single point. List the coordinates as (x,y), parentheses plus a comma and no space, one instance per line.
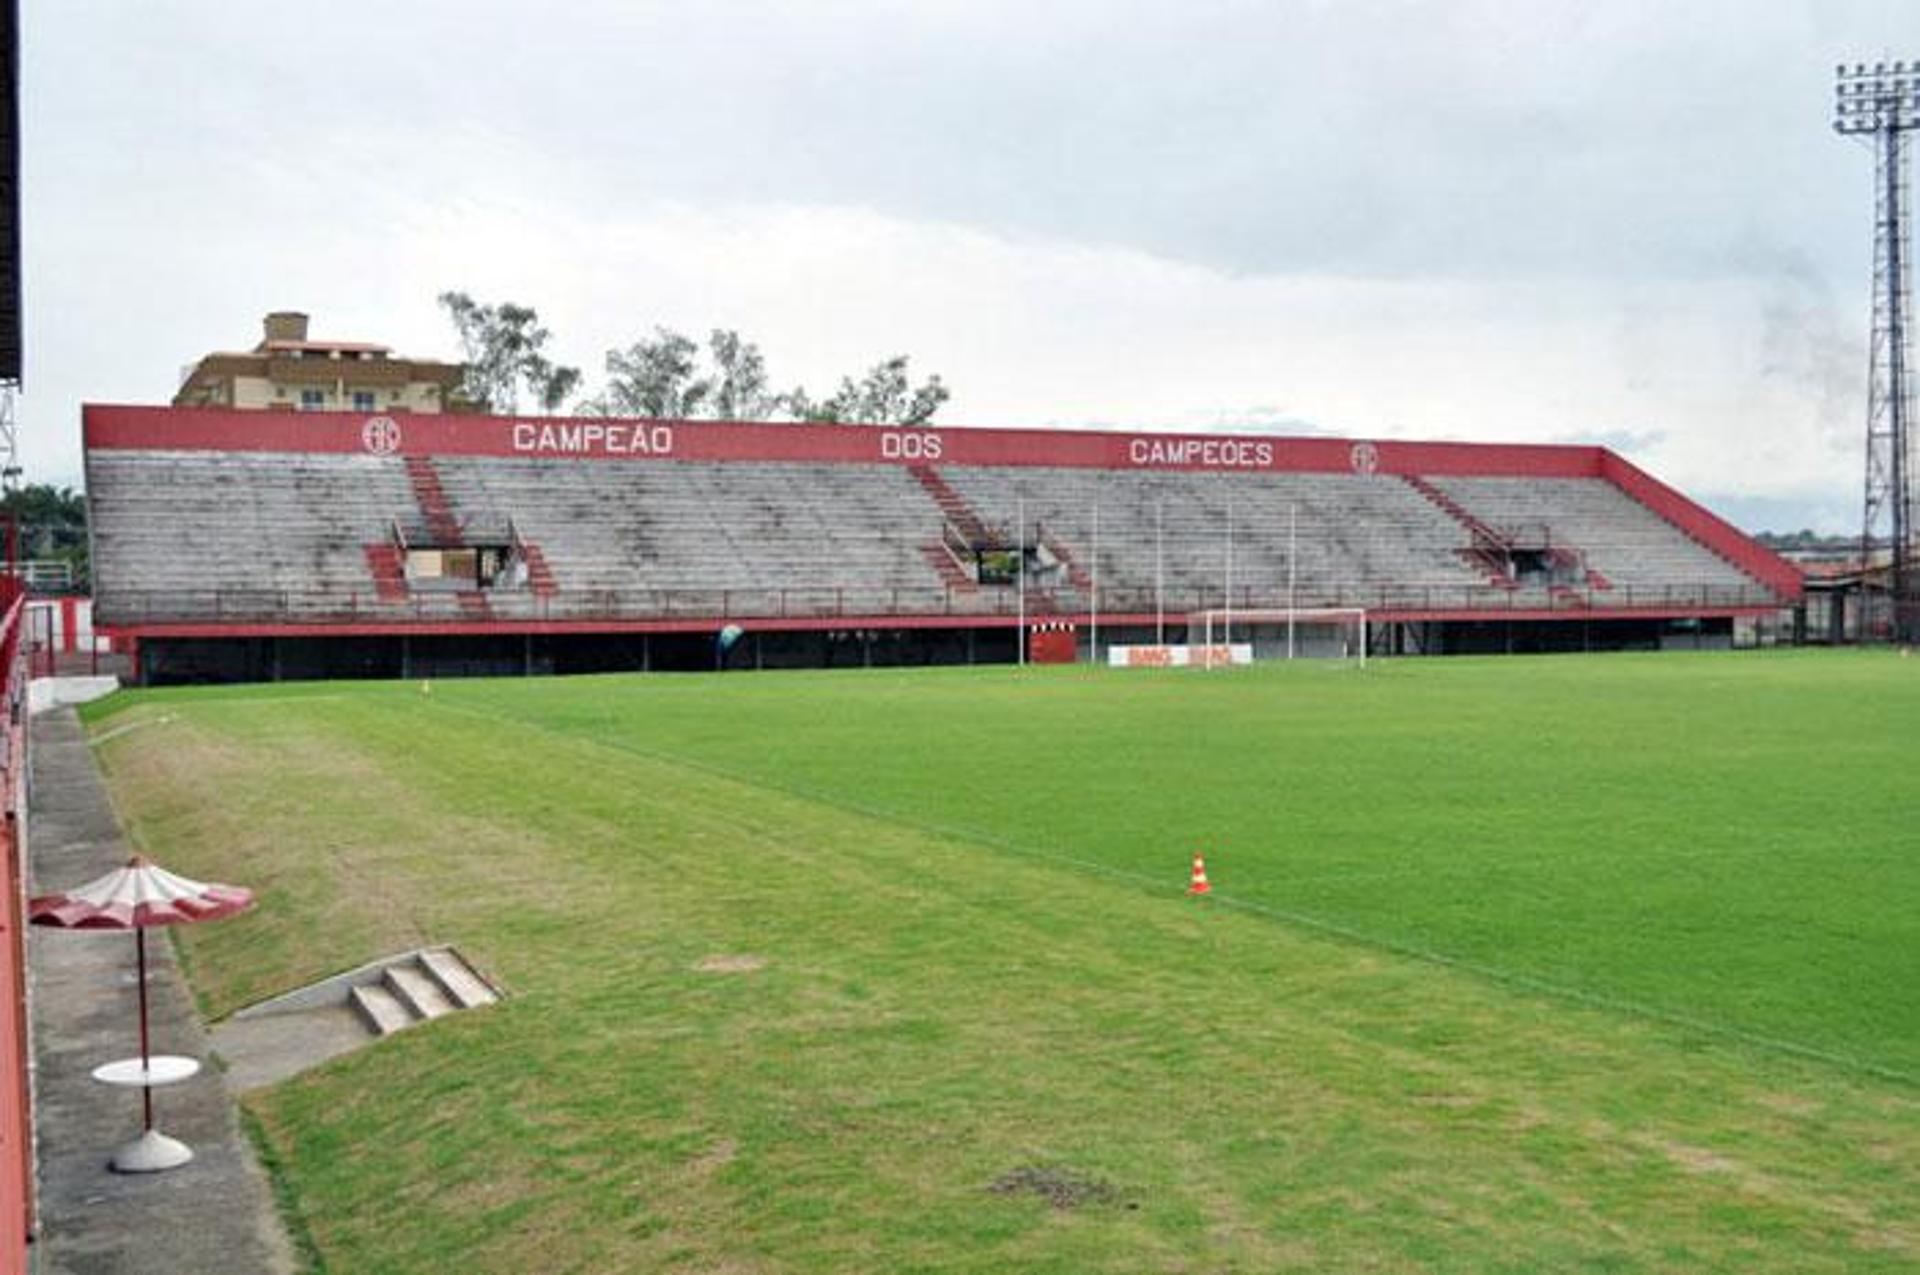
(211,1217)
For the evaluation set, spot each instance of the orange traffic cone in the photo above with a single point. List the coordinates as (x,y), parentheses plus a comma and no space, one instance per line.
(1199,883)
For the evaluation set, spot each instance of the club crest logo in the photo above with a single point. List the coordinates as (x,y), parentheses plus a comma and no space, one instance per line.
(1365,458)
(381,436)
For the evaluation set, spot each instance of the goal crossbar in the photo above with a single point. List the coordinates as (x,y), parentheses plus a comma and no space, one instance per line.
(1291,617)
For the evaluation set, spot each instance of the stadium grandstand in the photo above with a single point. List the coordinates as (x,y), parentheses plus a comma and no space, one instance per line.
(256,546)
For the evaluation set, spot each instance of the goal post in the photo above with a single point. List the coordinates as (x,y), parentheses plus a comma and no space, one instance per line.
(1308,632)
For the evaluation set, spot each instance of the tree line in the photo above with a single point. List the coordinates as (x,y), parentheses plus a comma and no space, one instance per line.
(668,374)
(52,525)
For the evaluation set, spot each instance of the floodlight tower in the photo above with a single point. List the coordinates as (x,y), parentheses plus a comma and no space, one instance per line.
(1880,104)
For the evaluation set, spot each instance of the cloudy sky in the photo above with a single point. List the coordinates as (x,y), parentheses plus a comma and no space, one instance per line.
(1626,222)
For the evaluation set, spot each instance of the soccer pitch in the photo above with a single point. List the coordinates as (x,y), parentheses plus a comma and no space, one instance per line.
(1569,963)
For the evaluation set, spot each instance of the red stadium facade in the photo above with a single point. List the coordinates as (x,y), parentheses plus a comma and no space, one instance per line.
(284,530)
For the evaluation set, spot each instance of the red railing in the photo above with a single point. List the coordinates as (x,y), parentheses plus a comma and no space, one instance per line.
(135,609)
(16,1101)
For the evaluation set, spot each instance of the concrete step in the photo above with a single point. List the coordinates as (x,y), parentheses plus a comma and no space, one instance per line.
(462,986)
(415,989)
(381,1009)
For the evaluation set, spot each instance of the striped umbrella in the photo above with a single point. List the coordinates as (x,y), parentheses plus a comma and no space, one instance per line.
(135,897)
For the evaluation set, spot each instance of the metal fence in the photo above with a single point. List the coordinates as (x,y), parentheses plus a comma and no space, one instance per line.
(266,606)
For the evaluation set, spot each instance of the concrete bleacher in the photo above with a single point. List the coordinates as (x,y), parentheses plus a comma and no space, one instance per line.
(236,536)
(766,535)
(1633,547)
(1354,539)
(212,534)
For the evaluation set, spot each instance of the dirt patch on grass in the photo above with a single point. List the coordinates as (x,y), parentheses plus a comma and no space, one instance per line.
(1062,1188)
(1789,1104)
(481,1195)
(734,963)
(1884,1239)
(1697,1159)
(720,1153)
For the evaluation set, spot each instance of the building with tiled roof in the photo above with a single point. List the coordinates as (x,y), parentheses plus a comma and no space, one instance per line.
(290,372)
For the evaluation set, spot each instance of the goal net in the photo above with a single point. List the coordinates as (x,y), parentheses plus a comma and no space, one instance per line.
(1285,633)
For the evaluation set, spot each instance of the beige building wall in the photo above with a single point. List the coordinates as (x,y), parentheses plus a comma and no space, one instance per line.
(257,393)
(287,372)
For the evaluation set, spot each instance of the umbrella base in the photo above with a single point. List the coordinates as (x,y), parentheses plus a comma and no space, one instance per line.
(151,1152)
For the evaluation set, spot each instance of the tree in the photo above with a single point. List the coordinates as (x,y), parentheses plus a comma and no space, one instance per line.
(551,384)
(884,396)
(53,524)
(741,393)
(656,376)
(663,376)
(504,347)
(667,375)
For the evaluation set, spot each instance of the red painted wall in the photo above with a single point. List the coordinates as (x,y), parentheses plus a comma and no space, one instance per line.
(16,1107)
(1051,646)
(198,429)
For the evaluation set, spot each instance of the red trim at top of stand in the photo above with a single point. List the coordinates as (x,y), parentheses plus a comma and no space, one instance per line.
(211,429)
(1717,534)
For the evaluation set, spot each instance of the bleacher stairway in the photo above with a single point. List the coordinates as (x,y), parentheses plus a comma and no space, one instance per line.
(432,500)
(951,503)
(540,577)
(389,570)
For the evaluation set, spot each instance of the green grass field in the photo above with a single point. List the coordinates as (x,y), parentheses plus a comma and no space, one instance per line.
(1578,963)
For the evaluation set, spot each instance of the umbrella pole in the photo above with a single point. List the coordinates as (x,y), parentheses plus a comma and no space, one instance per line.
(146,1091)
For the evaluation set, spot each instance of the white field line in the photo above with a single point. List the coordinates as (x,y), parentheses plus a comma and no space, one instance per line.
(225,701)
(248,701)
(1303,920)
(94,741)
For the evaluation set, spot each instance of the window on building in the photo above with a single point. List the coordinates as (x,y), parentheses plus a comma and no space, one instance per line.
(313,400)
(363,400)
